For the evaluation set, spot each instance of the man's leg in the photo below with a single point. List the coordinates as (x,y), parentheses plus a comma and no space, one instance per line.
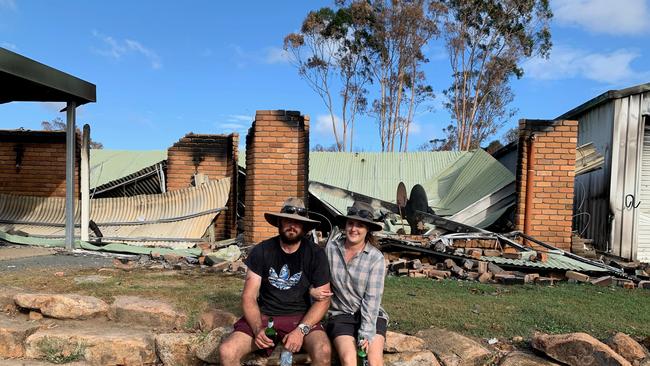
(347,350)
(236,346)
(376,351)
(318,346)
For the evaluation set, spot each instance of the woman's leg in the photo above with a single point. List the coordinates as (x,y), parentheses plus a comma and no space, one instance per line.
(376,351)
(347,350)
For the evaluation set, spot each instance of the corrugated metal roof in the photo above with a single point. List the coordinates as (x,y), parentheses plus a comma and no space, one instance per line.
(149,180)
(175,219)
(110,165)
(452,180)
(555,261)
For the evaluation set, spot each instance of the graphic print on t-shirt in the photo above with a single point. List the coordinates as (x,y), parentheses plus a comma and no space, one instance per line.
(283,281)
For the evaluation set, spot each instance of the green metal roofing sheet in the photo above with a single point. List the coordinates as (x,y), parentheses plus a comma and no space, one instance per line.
(109,165)
(452,180)
(555,261)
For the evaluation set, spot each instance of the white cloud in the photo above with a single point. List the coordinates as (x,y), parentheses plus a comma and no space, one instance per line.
(604,16)
(8,4)
(9,46)
(116,49)
(415,128)
(276,55)
(239,118)
(231,126)
(323,125)
(566,63)
(55,107)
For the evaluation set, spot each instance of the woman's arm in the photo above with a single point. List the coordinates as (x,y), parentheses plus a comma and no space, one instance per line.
(372,300)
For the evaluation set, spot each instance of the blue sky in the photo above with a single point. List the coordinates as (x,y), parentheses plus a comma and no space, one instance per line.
(164,68)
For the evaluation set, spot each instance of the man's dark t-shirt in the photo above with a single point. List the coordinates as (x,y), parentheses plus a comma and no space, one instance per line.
(286,278)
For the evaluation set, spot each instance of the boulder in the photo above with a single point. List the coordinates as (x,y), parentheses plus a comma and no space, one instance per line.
(453,349)
(154,313)
(12,337)
(577,349)
(419,358)
(7,294)
(255,359)
(397,343)
(97,345)
(64,306)
(177,349)
(525,359)
(208,348)
(214,318)
(627,347)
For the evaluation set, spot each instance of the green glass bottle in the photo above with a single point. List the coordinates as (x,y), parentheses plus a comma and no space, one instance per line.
(361,353)
(270,330)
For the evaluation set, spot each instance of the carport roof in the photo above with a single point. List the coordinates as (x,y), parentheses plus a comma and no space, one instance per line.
(25,80)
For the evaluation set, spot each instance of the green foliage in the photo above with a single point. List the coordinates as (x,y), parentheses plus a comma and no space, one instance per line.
(57,351)
(486,41)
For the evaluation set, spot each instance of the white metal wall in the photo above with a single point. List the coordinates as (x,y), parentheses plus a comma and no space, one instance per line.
(643,233)
(627,145)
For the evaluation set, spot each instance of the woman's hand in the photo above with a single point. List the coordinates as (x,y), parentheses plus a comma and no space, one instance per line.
(364,344)
(320,294)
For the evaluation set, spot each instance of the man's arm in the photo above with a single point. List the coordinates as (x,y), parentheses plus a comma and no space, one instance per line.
(293,340)
(251,310)
(317,309)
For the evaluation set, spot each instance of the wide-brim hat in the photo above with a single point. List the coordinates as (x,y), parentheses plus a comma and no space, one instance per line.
(294,209)
(363,213)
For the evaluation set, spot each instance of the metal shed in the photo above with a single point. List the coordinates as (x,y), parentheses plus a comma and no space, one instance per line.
(612,205)
(25,80)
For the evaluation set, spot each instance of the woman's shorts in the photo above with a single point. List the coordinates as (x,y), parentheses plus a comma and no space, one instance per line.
(349,324)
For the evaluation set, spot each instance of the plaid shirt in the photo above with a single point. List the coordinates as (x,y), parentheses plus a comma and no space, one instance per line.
(357,285)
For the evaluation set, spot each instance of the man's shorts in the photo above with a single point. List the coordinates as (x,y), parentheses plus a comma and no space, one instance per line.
(283,325)
(349,324)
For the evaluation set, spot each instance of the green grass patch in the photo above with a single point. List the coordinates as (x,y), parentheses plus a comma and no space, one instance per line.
(60,352)
(486,310)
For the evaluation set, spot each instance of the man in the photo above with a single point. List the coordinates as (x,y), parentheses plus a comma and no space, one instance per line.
(280,272)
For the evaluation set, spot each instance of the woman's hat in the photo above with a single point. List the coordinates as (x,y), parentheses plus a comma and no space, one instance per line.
(293,208)
(362,212)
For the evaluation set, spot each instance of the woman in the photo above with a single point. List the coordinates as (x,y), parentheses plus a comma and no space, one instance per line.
(357,279)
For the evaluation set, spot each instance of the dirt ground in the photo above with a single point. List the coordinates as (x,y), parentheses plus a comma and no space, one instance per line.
(18,258)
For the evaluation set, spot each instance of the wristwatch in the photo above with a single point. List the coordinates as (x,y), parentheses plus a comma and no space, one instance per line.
(304,328)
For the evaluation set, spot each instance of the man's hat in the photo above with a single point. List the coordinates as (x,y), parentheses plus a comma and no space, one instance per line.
(294,209)
(362,212)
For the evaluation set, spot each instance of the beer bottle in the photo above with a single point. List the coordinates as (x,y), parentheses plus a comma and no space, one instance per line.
(270,330)
(361,353)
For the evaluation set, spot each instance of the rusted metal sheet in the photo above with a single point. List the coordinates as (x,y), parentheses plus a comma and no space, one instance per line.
(175,219)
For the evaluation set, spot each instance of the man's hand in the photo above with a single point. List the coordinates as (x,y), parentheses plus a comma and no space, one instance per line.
(262,341)
(293,340)
(320,293)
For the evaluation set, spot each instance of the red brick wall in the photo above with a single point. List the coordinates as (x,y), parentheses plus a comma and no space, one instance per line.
(555,151)
(214,156)
(42,170)
(277,164)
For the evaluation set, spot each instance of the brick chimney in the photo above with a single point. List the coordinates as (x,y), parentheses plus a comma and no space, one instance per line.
(214,156)
(553,170)
(277,164)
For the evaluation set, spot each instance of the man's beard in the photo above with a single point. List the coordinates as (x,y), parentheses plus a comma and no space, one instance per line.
(290,238)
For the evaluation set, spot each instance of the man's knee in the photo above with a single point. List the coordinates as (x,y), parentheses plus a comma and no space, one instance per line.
(229,351)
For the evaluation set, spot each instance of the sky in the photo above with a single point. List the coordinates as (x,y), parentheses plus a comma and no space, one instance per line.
(167,68)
